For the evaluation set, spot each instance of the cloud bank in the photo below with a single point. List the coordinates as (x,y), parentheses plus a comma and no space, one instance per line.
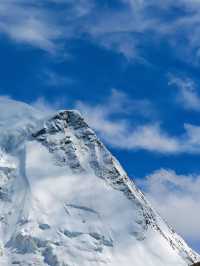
(177,199)
(111,120)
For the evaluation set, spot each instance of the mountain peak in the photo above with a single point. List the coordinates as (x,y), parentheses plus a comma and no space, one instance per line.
(68,201)
(61,121)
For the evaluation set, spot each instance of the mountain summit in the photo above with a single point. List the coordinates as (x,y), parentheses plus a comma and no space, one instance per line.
(66,201)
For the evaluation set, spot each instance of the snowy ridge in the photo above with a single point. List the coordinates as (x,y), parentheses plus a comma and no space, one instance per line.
(66,201)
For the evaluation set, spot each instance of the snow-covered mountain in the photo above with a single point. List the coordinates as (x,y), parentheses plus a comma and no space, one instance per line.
(66,201)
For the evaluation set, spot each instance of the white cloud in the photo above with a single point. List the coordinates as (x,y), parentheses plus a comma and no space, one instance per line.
(187,94)
(180,204)
(50,24)
(113,122)
(53,79)
(43,106)
(29,23)
(119,132)
(46,25)
(48,108)
(121,43)
(20,114)
(140,20)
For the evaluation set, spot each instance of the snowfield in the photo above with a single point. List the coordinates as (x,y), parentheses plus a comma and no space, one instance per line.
(66,201)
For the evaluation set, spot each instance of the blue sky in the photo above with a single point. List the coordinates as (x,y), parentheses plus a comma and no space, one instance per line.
(132,68)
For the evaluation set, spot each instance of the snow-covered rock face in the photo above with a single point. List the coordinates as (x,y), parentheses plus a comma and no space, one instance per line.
(66,201)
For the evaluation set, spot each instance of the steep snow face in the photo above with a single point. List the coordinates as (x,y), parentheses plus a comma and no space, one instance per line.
(66,201)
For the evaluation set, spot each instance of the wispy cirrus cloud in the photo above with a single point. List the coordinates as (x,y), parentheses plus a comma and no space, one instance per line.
(45,25)
(181,192)
(187,94)
(50,24)
(28,22)
(44,106)
(51,78)
(113,120)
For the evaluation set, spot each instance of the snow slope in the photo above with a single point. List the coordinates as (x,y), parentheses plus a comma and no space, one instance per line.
(66,201)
